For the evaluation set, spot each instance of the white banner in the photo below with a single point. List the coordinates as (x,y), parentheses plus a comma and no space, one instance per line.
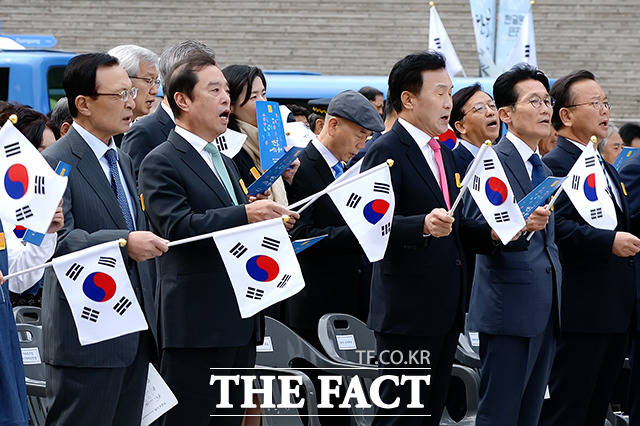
(483,15)
(525,48)
(511,15)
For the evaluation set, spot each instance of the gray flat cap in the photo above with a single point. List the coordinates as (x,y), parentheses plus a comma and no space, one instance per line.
(354,107)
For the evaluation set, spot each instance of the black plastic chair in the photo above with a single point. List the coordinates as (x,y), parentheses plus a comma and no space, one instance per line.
(28,315)
(30,337)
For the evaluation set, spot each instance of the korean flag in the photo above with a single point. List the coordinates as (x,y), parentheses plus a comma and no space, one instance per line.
(261,264)
(97,287)
(31,190)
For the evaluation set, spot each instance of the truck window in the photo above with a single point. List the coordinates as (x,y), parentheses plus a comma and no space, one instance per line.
(54,84)
(4,83)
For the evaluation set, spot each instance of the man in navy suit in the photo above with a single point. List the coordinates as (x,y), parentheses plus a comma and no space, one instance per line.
(514,297)
(600,274)
(417,291)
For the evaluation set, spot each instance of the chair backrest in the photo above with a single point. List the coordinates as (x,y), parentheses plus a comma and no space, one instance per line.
(30,337)
(27,315)
(346,339)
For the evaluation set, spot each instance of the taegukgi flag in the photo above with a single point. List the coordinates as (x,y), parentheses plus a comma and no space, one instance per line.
(440,42)
(261,264)
(587,188)
(97,287)
(31,191)
(230,142)
(367,204)
(492,193)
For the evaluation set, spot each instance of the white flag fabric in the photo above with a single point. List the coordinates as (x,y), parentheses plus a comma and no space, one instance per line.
(261,264)
(524,50)
(31,190)
(492,193)
(587,188)
(230,142)
(366,202)
(511,15)
(97,287)
(439,41)
(483,14)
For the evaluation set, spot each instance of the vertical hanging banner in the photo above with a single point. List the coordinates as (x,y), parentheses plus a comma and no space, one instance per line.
(270,133)
(511,16)
(525,48)
(483,15)
(440,42)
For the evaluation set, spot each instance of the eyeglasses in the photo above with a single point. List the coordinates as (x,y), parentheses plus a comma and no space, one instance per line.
(481,107)
(598,105)
(150,81)
(536,102)
(123,94)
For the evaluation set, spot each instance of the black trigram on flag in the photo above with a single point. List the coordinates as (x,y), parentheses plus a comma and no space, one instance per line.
(74,271)
(527,50)
(107,261)
(476,183)
(38,188)
(596,213)
(381,187)
(238,250)
(270,243)
(254,293)
(501,217)
(122,305)
(353,200)
(575,182)
(385,229)
(488,164)
(90,314)
(285,279)
(12,149)
(438,42)
(590,161)
(23,213)
(221,143)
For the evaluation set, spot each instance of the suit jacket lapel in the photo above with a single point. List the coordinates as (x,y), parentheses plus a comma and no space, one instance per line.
(125,166)
(321,166)
(566,145)
(515,166)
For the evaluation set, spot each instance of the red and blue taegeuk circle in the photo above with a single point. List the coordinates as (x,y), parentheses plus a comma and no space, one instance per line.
(496,191)
(589,187)
(16,181)
(262,268)
(99,287)
(375,210)
(448,138)
(19,231)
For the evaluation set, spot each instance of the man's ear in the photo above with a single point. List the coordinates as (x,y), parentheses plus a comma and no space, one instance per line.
(182,101)
(332,125)
(565,116)
(407,99)
(504,114)
(459,125)
(82,105)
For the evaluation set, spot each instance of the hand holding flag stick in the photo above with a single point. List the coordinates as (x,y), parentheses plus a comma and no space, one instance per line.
(467,177)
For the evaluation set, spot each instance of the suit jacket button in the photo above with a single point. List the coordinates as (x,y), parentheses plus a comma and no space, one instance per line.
(458,262)
(548,269)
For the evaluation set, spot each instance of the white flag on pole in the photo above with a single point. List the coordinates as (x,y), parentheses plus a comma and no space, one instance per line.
(31,190)
(367,205)
(440,42)
(524,50)
(261,264)
(97,287)
(230,142)
(587,188)
(492,193)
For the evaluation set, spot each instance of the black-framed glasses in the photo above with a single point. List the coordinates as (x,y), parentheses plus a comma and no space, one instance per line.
(597,105)
(124,94)
(537,101)
(481,107)
(150,81)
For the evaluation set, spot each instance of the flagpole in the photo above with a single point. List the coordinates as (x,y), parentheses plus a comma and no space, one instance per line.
(465,182)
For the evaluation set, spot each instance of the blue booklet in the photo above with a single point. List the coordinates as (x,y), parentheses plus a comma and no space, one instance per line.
(626,153)
(301,245)
(539,195)
(267,179)
(270,133)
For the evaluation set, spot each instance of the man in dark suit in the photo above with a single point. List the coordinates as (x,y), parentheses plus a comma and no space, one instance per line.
(600,269)
(514,297)
(191,189)
(150,131)
(417,291)
(342,287)
(100,205)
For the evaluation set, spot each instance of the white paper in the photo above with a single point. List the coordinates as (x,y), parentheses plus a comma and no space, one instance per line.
(475,338)
(346,342)
(158,398)
(31,356)
(266,346)
(298,134)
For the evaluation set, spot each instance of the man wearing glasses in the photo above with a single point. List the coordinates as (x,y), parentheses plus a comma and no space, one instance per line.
(100,205)
(513,300)
(600,269)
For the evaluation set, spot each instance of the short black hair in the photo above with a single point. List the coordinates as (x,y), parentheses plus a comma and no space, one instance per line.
(406,74)
(561,92)
(628,132)
(298,110)
(388,109)
(60,113)
(79,77)
(504,92)
(239,76)
(313,119)
(183,77)
(459,99)
(370,92)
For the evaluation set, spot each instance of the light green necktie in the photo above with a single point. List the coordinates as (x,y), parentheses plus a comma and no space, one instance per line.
(218,164)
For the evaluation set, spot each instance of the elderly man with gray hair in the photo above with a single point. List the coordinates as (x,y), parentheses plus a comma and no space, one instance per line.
(151,131)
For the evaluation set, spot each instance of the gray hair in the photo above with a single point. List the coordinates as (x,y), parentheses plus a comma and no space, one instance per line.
(130,55)
(176,53)
(612,129)
(60,113)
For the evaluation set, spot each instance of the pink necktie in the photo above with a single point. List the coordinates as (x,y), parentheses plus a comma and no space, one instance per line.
(435,146)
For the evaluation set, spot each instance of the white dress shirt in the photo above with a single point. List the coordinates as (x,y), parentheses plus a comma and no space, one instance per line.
(198,144)
(524,150)
(330,159)
(422,139)
(100,149)
(470,147)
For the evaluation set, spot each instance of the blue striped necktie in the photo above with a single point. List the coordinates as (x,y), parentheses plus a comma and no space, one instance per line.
(537,174)
(118,190)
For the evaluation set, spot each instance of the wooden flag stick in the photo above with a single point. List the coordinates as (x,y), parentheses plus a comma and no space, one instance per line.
(467,177)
